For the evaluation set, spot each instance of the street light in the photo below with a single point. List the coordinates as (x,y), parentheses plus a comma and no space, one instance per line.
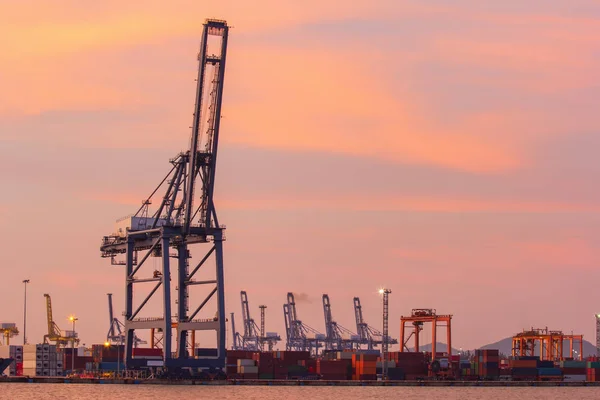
(384,340)
(73,319)
(107,345)
(26,281)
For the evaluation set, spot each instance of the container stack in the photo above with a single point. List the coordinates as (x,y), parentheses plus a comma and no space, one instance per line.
(412,365)
(574,371)
(288,364)
(30,360)
(265,363)
(247,369)
(593,371)
(487,363)
(467,370)
(49,360)
(364,367)
(83,357)
(231,361)
(335,370)
(524,368)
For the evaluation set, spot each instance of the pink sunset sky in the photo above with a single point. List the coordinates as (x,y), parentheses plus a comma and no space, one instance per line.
(446,150)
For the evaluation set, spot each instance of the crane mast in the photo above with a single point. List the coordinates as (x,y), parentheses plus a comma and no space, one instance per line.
(54,332)
(300,337)
(181,220)
(251,338)
(367,334)
(337,337)
(115,331)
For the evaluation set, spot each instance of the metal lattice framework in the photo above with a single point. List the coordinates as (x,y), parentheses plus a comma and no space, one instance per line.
(115,331)
(337,337)
(178,222)
(368,335)
(299,336)
(55,334)
(598,335)
(385,343)
(253,338)
(236,337)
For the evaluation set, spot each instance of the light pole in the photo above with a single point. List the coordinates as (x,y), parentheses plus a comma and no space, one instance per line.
(25,282)
(73,319)
(384,339)
(107,345)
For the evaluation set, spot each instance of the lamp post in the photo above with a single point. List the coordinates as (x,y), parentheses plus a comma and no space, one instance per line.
(107,345)
(25,282)
(73,319)
(384,339)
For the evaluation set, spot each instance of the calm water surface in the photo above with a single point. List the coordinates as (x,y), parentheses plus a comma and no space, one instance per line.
(17,391)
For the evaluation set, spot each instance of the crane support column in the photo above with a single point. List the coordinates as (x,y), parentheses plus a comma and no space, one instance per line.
(186,216)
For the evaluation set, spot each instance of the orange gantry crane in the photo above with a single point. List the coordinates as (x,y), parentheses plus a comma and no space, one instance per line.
(418,317)
(550,344)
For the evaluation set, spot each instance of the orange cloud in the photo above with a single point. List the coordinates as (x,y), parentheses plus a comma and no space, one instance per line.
(567,252)
(402,203)
(336,104)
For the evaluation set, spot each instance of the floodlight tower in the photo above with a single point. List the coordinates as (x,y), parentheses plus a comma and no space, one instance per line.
(597,335)
(384,343)
(181,220)
(262,328)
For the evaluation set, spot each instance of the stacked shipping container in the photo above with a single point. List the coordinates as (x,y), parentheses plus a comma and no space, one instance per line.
(487,363)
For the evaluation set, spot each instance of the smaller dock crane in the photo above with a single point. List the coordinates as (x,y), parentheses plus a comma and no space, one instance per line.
(61,338)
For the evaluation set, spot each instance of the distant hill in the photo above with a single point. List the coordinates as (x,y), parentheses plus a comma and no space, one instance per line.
(505,347)
(439,347)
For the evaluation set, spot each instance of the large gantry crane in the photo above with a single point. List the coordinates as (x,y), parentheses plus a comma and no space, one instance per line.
(300,337)
(55,334)
(254,338)
(337,337)
(177,223)
(367,334)
(115,331)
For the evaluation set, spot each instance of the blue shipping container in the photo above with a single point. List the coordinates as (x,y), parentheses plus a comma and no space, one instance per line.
(550,371)
(110,366)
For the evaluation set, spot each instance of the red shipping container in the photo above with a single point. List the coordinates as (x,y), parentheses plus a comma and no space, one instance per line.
(147,352)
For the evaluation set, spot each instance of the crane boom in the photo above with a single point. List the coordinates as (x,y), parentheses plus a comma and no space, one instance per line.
(54,332)
(178,223)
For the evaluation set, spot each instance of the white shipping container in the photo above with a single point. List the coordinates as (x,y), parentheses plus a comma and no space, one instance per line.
(136,224)
(29,364)
(29,356)
(29,372)
(243,363)
(4,351)
(29,348)
(344,355)
(248,370)
(574,378)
